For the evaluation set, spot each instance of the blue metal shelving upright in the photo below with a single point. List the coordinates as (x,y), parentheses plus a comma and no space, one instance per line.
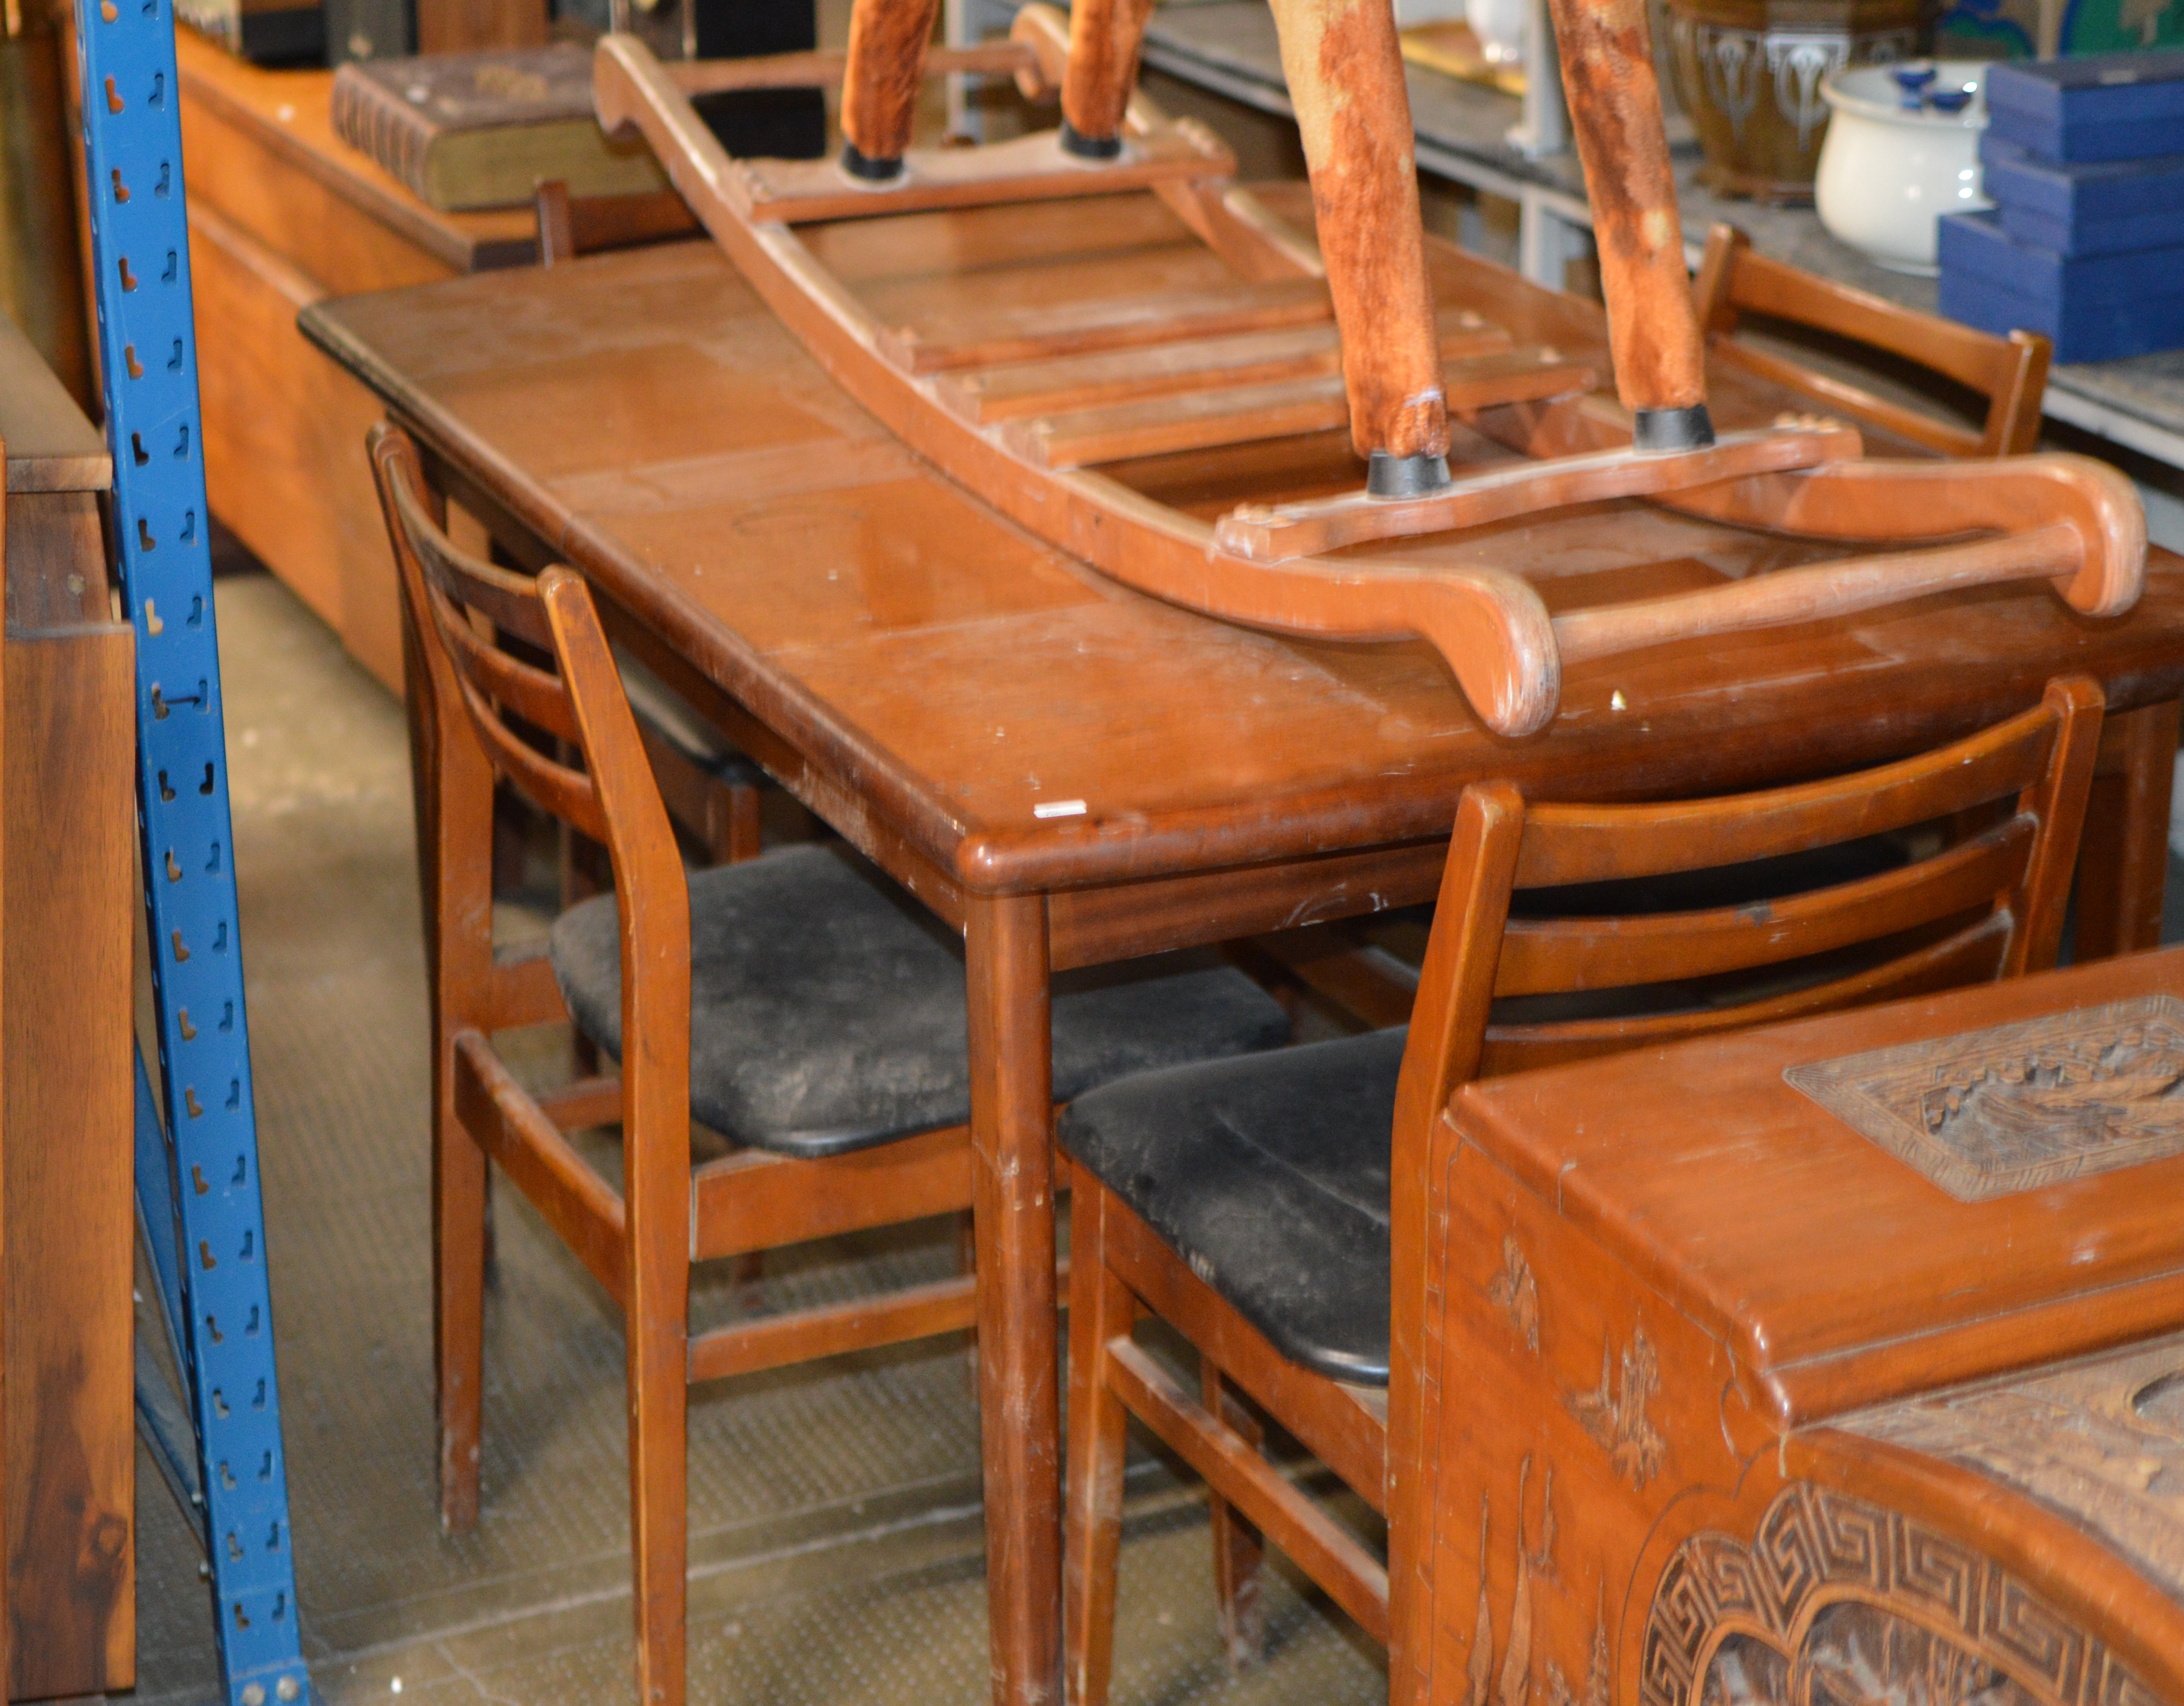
(198,1174)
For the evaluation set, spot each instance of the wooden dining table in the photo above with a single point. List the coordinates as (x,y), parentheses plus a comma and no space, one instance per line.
(1072,773)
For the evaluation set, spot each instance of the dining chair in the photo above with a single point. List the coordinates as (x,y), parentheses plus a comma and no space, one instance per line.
(2009,372)
(1271,1210)
(793,1004)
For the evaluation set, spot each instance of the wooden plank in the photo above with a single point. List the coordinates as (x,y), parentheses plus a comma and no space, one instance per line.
(1067,382)
(1248,413)
(50,446)
(69,822)
(1275,532)
(1118,322)
(466,26)
(1031,168)
(917,1311)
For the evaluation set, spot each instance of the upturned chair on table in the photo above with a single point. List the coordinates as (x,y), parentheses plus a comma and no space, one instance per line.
(1271,1210)
(792,1003)
(2010,373)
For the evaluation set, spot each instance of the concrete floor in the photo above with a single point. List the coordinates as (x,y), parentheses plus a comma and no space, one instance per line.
(835,1547)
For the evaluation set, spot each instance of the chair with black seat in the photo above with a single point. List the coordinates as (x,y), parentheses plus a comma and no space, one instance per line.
(795,1004)
(1272,1209)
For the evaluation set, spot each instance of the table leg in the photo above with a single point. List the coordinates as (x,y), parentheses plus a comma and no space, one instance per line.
(1019,1407)
(2123,858)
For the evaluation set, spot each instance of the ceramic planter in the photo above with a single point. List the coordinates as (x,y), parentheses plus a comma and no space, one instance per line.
(1749,73)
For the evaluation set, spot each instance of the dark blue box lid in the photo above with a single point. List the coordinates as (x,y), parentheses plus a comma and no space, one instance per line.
(2094,311)
(2101,107)
(2040,230)
(2091,190)
(1976,244)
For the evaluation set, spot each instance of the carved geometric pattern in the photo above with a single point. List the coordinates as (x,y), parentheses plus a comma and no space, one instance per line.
(1831,1585)
(2018,1106)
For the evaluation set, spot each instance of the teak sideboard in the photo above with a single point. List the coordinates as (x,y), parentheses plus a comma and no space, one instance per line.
(282,214)
(1071,774)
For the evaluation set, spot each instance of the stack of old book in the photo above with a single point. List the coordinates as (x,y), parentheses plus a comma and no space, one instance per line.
(2084,159)
(466,130)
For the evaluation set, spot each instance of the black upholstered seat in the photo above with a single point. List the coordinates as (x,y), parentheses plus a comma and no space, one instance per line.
(828,1010)
(1269,1176)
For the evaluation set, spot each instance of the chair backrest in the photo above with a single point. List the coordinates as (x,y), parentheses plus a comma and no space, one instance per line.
(2007,805)
(521,667)
(570,226)
(2010,372)
(1988,903)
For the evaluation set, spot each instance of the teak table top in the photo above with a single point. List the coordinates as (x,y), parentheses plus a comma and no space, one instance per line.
(644,416)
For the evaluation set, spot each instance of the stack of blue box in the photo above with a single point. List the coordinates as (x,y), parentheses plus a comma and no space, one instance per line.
(2084,159)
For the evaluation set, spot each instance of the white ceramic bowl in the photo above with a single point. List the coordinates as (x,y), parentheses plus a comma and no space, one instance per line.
(1894,162)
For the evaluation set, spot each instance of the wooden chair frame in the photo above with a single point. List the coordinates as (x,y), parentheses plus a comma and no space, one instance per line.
(639,1242)
(1990,905)
(2010,372)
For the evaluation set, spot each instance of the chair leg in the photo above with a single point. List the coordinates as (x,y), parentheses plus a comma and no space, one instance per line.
(1238,1546)
(966,1262)
(742,840)
(659,1497)
(1100,1310)
(747,1273)
(459,1256)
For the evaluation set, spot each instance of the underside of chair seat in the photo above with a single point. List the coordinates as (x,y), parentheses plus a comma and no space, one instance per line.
(827,1010)
(1270,1177)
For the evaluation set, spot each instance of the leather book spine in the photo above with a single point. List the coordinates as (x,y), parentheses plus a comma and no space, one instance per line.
(374,118)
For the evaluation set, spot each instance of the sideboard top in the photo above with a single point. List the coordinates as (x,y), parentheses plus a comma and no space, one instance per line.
(50,446)
(1845,1263)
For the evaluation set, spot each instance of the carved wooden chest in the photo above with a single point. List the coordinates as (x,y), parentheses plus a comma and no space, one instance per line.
(1838,1363)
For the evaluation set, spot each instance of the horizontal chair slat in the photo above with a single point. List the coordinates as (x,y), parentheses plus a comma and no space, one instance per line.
(1543,955)
(1588,844)
(1334,1559)
(862,1323)
(580,1205)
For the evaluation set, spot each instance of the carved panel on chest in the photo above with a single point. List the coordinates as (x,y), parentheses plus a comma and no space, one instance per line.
(2019,1106)
(2099,1441)
(1848,1354)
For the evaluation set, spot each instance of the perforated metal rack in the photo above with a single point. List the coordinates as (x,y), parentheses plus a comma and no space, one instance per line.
(197,1175)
